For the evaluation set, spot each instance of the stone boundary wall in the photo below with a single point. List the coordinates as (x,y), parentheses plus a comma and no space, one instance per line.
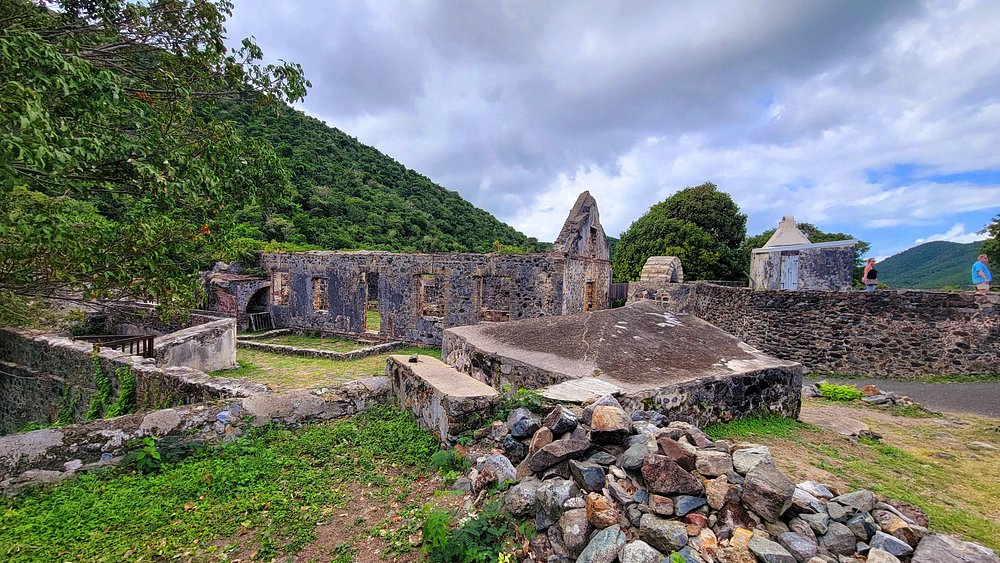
(268,334)
(54,454)
(206,347)
(888,333)
(48,372)
(311,353)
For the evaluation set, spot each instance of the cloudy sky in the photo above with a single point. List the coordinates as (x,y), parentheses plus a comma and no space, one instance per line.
(880,119)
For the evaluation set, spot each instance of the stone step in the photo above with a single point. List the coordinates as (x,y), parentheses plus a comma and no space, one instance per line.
(446,401)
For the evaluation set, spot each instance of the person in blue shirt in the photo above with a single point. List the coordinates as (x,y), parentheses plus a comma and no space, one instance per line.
(981,275)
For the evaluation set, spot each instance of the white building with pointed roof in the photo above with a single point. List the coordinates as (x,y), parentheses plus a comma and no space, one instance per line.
(789,261)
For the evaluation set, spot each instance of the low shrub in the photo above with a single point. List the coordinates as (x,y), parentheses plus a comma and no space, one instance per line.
(836,392)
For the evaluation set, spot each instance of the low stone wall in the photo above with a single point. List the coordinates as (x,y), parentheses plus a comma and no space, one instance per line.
(44,375)
(206,347)
(311,353)
(54,454)
(445,401)
(888,333)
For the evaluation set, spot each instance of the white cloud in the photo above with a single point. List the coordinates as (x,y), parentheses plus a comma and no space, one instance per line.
(787,106)
(955,234)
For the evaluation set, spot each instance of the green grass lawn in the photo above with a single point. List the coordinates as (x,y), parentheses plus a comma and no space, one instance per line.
(259,497)
(282,373)
(373,322)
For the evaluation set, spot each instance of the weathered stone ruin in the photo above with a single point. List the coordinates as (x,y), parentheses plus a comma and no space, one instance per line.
(789,261)
(418,296)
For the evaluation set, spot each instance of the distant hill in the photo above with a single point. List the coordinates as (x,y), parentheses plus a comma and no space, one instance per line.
(348,195)
(932,265)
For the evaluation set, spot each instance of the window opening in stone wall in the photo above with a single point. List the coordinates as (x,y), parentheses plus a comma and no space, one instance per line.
(321,300)
(432,295)
(593,241)
(281,289)
(589,295)
(496,301)
(373,318)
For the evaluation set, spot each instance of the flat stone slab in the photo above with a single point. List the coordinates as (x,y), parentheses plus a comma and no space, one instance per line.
(641,351)
(446,401)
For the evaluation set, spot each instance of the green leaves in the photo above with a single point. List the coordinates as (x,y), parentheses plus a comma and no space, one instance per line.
(115,181)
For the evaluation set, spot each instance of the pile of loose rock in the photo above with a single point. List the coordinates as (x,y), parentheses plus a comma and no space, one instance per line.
(869,394)
(605,486)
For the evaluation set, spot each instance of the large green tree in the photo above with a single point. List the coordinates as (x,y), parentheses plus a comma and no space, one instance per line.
(115,182)
(700,225)
(992,244)
(814,235)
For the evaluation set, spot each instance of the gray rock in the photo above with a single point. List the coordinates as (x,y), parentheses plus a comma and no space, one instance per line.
(638,438)
(590,476)
(939,548)
(609,425)
(698,437)
(893,545)
(667,478)
(560,421)
(818,522)
(633,456)
(815,489)
(575,530)
(861,501)
(557,452)
(711,463)
(639,552)
(602,458)
(688,555)
(801,527)
(876,399)
(496,469)
(520,499)
(881,556)
(863,526)
(634,514)
(981,446)
(803,501)
(768,551)
(551,495)
(745,459)
(801,547)
(767,492)
(604,546)
(664,535)
(514,449)
(522,423)
(838,539)
(687,503)
(620,494)
(839,512)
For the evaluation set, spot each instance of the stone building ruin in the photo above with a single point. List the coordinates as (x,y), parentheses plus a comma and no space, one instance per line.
(789,261)
(417,296)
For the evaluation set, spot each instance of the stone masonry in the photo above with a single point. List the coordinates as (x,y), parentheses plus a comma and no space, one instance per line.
(901,333)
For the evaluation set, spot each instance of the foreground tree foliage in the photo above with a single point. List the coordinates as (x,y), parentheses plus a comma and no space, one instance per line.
(992,244)
(113,182)
(700,225)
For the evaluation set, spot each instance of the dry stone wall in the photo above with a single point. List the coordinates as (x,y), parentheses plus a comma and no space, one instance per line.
(901,333)
(43,376)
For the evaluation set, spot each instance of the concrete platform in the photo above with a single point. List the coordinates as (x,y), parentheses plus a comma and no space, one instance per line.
(677,364)
(446,401)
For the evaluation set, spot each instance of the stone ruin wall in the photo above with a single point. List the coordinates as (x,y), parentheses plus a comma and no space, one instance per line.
(41,375)
(891,333)
(419,295)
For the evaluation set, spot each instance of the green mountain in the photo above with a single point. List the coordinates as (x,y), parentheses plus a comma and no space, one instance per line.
(347,195)
(932,265)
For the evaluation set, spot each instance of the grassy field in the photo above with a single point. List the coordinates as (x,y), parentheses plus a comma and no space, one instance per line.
(373,322)
(922,460)
(337,491)
(282,373)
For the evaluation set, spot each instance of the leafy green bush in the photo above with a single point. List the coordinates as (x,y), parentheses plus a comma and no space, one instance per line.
(522,398)
(836,392)
(480,539)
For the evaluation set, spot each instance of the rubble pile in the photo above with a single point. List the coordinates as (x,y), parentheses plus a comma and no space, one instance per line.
(603,486)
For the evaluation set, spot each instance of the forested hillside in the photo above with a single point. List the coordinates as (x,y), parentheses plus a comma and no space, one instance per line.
(933,265)
(347,195)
